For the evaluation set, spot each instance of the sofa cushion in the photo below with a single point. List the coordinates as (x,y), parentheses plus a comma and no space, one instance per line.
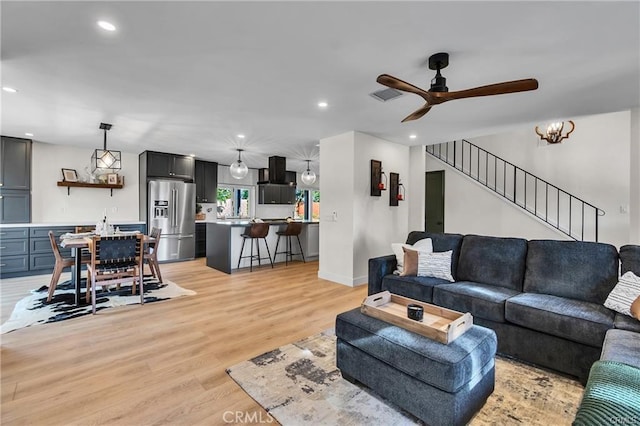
(575,269)
(419,288)
(622,346)
(624,322)
(493,260)
(630,259)
(440,243)
(482,300)
(582,322)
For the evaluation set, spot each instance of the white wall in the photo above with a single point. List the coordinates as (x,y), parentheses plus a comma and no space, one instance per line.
(592,164)
(51,204)
(336,196)
(365,225)
(634,191)
(416,200)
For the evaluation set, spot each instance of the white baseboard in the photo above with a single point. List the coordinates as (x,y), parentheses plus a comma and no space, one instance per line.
(344,280)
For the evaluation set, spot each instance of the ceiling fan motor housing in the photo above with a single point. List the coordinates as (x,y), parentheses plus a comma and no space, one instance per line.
(437,62)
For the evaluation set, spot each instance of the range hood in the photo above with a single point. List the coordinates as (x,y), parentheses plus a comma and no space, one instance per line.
(276,173)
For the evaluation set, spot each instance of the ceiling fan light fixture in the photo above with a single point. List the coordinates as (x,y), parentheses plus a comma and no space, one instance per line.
(308,177)
(238,169)
(105,159)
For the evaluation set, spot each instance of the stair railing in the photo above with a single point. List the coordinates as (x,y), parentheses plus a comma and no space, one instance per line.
(563,211)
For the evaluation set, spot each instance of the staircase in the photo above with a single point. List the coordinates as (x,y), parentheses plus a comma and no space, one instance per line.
(559,209)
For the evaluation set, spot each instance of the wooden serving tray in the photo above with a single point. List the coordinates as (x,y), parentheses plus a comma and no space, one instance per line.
(440,324)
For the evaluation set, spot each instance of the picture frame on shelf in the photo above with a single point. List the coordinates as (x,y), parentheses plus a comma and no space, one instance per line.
(69,175)
(112,179)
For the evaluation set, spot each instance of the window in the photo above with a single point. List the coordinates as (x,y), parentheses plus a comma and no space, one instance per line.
(233,202)
(315,204)
(307,204)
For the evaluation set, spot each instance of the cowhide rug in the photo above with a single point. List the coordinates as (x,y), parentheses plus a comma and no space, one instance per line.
(34,309)
(299,384)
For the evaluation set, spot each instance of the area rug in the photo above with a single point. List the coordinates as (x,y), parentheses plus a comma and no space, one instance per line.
(299,384)
(34,309)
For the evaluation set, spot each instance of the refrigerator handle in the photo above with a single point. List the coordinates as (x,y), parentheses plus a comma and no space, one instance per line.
(174,217)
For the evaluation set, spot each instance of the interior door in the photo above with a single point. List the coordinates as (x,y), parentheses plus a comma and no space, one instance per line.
(434,201)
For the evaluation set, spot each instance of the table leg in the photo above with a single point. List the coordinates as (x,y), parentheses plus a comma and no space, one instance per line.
(77,273)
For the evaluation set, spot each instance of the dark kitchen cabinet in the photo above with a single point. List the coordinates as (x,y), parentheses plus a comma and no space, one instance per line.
(206,181)
(14,252)
(15,206)
(287,194)
(162,165)
(15,180)
(201,239)
(290,177)
(276,194)
(15,163)
(269,194)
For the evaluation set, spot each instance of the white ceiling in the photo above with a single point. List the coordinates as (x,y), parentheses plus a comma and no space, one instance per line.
(187,77)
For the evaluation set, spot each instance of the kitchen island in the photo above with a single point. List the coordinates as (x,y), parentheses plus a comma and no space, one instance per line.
(224,242)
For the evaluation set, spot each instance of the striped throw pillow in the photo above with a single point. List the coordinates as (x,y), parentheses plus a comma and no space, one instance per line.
(624,294)
(437,265)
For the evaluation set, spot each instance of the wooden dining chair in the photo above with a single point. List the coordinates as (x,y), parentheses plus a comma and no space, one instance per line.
(151,253)
(61,263)
(115,260)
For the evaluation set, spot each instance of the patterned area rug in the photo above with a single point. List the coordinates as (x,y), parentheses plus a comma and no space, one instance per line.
(34,309)
(299,384)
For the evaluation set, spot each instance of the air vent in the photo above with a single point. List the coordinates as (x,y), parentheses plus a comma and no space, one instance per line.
(385,95)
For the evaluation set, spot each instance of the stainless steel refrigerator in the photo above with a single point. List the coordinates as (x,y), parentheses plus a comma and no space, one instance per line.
(172,206)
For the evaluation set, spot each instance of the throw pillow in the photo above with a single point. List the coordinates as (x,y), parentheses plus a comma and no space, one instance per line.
(635,308)
(398,249)
(410,262)
(399,252)
(424,244)
(624,294)
(437,265)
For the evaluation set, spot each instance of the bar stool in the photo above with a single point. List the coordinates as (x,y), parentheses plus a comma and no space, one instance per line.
(293,229)
(255,232)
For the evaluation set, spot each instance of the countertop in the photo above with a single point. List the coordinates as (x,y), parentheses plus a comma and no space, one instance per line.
(274,222)
(75,223)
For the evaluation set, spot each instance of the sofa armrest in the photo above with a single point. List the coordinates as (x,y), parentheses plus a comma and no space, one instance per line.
(378,268)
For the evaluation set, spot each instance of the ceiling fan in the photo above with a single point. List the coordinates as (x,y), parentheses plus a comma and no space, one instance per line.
(439,92)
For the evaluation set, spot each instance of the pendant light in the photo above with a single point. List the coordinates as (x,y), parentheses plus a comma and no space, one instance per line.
(238,169)
(104,159)
(308,177)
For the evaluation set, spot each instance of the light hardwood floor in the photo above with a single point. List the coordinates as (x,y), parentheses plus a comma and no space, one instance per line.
(163,363)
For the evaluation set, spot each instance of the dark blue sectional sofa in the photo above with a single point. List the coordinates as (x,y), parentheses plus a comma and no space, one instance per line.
(543,298)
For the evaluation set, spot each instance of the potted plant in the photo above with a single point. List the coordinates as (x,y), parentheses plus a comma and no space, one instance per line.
(199,214)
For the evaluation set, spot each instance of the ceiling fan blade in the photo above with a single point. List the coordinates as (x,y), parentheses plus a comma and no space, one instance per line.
(418,113)
(396,83)
(489,90)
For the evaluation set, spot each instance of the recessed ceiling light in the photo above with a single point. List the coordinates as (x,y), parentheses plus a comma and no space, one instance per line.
(317,144)
(323,104)
(241,136)
(412,136)
(9,89)
(192,155)
(107,26)
(28,134)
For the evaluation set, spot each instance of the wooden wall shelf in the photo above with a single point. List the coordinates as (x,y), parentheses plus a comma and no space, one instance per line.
(69,185)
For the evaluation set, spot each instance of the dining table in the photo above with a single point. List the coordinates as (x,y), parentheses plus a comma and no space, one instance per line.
(77,242)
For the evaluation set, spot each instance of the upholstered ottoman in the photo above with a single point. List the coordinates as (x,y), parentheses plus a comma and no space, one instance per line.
(440,384)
